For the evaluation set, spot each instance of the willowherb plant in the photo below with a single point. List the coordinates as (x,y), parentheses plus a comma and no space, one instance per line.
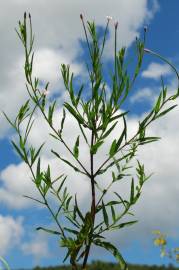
(97,115)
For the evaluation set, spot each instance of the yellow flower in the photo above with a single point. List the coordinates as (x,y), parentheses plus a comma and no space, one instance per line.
(160,241)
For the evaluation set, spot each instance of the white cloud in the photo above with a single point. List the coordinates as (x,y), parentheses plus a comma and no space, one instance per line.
(11,231)
(58,30)
(16,182)
(144,94)
(148,210)
(156,70)
(37,247)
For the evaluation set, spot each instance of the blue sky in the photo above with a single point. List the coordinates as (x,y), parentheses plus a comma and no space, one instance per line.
(59,38)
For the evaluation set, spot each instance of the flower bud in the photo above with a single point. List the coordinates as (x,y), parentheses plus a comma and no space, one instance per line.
(109,18)
(81,16)
(116,25)
(145,28)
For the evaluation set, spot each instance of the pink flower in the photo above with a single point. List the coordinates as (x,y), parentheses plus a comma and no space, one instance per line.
(109,18)
(45,92)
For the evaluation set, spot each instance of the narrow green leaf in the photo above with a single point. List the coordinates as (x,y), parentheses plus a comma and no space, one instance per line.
(71,230)
(62,123)
(66,161)
(68,202)
(78,210)
(18,151)
(132,191)
(95,147)
(77,116)
(112,150)
(105,215)
(125,224)
(109,131)
(111,248)
(157,105)
(79,95)
(36,154)
(113,213)
(76,148)
(48,230)
(61,185)
(166,111)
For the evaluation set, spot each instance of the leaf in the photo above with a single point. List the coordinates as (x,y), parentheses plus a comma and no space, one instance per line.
(95,147)
(113,213)
(112,150)
(132,191)
(48,230)
(37,153)
(50,112)
(61,185)
(125,224)
(78,210)
(68,202)
(18,151)
(166,111)
(111,248)
(105,215)
(71,230)
(66,161)
(157,105)
(78,117)
(109,131)
(121,138)
(62,123)
(79,95)
(76,148)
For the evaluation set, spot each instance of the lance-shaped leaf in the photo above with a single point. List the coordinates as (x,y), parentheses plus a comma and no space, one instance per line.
(76,148)
(77,116)
(158,103)
(78,210)
(62,123)
(66,161)
(124,224)
(166,111)
(95,147)
(62,183)
(109,131)
(18,151)
(132,191)
(48,230)
(113,213)
(71,230)
(146,140)
(50,112)
(105,215)
(123,135)
(111,248)
(112,150)
(35,155)
(79,95)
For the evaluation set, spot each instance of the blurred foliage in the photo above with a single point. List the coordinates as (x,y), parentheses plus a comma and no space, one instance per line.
(160,240)
(98,265)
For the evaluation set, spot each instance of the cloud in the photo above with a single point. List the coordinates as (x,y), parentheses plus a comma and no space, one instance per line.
(144,94)
(16,182)
(37,247)
(156,70)
(58,30)
(148,209)
(11,231)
